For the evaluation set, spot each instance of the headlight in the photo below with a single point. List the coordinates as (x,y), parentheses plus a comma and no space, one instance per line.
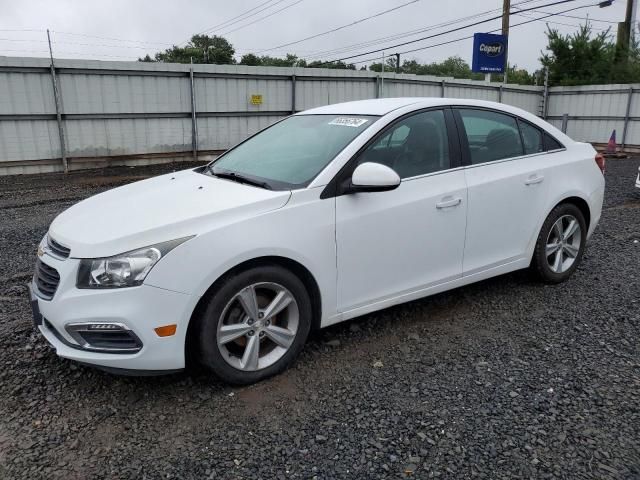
(125,270)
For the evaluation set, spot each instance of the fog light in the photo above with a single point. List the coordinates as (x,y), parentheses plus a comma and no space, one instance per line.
(104,326)
(104,337)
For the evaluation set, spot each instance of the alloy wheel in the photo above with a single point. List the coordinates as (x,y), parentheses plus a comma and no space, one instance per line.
(258,326)
(563,243)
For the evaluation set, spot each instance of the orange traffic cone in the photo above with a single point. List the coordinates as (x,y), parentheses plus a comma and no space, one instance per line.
(611,146)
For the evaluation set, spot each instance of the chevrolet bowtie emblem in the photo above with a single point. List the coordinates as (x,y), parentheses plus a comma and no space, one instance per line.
(40,251)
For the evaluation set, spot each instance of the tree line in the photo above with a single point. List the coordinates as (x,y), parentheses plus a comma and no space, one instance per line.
(579,58)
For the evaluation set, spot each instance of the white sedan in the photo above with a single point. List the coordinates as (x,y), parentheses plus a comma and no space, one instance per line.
(324,216)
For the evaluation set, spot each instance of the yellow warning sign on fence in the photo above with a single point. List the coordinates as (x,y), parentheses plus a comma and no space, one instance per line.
(256,99)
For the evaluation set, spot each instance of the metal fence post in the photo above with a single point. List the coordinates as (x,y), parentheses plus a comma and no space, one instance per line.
(545,94)
(565,122)
(626,118)
(500,94)
(56,97)
(443,85)
(377,79)
(293,94)
(194,120)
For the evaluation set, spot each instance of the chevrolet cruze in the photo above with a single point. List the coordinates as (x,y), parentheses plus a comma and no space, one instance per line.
(324,216)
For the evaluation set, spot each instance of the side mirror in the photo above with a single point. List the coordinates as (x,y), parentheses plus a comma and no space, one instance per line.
(373,177)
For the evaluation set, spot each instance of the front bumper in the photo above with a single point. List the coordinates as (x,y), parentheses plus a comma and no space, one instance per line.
(137,309)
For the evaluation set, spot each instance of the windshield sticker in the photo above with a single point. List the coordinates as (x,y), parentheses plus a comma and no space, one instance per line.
(348,121)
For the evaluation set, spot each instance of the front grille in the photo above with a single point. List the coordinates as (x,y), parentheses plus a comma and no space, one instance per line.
(56,249)
(117,340)
(46,280)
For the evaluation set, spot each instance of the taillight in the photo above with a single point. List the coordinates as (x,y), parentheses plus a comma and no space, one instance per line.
(600,161)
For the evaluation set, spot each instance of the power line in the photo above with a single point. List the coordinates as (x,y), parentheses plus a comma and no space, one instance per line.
(471,36)
(107,38)
(379,14)
(262,18)
(577,17)
(526,15)
(20,30)
(74,43)
(63,52)
(231,21)
(409,33)
(479,22)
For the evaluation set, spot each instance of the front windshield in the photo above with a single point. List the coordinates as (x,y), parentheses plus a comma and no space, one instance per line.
(292,152)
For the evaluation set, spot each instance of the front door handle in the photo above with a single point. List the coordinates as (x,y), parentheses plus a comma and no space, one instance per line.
(447,202)
(533,179)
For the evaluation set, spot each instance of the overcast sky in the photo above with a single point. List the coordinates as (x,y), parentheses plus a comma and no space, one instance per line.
(132,28)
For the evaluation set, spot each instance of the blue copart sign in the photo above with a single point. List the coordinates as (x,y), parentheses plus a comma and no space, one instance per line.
(489,53)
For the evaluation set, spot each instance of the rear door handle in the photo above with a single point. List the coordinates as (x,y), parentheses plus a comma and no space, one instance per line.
(447,202)
(533,179)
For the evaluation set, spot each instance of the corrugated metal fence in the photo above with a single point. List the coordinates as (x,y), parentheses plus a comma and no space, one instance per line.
(133,113)
(591,113)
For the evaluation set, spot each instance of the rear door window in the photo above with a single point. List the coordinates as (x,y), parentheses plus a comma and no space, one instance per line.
(491,135)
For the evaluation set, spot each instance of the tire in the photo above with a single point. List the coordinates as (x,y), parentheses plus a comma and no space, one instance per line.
(238,320)
(545,263)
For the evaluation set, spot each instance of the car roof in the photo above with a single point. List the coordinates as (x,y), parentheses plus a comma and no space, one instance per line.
(383,106)
(376,106)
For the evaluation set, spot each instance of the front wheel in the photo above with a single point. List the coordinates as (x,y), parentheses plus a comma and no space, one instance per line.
(255,324)
(560,244)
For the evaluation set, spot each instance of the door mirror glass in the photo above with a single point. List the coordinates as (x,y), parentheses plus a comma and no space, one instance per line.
(373,177)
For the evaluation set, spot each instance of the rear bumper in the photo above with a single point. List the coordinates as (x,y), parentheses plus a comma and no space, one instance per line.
(595,206)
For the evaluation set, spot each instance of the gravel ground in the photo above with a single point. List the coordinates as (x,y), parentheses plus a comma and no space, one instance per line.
(503,379)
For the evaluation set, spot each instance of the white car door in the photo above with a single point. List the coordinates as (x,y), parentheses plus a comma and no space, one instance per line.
(506,187)
(400,241)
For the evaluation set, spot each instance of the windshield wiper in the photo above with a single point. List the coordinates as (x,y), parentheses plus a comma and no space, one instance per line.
(236,177)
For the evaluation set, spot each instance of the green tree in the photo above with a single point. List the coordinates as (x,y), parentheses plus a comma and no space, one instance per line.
(579,58)
(451,67)
(251,59)
(334,65)
(389,65)
(289,60)
(201,48)
(516,75)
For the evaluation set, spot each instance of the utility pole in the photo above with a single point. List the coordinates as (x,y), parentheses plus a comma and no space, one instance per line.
(382,77)
(56,98)
(506,9)
(626,31)
(634,9)
(397,63)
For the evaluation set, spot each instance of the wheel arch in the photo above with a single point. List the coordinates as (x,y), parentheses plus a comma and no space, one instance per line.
(579,202)
(574,199)
(293,266)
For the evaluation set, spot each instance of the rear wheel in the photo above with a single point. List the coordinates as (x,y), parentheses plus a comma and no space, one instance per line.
(255,324)
(560,244)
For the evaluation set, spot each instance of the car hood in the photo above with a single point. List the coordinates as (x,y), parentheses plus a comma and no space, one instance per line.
(156,210)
